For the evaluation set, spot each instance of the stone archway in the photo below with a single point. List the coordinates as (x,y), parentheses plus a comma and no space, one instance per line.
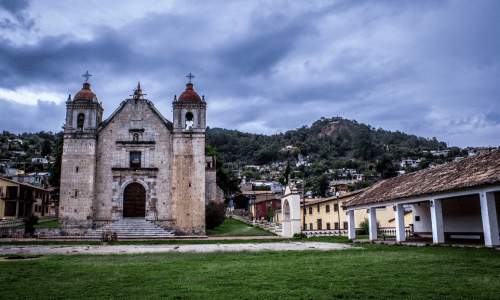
(134,201)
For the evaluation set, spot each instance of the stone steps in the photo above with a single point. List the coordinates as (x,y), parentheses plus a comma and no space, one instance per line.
(132,228)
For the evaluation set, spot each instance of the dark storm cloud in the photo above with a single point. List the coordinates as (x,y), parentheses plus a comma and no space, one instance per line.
(427,68)
(16,8)
(18,117)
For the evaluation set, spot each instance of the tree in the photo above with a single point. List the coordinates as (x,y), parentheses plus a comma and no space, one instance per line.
(385,167)
(321,184)
(215,214)
(46,148)
(55,171)
(287,172)
(365,225)
(270,213)
(226,179)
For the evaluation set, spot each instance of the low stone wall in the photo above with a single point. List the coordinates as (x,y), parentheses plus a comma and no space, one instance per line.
(18,232)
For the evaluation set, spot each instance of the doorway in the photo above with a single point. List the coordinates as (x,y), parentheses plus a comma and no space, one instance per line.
(134,201)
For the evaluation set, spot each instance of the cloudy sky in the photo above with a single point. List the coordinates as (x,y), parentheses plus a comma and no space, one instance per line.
(430,68)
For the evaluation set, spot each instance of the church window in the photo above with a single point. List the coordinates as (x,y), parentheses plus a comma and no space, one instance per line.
(136,137)
(80,121)
(189,120)
(135,159)
(76,169)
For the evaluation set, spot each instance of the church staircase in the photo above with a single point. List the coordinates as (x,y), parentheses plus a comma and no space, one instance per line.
(132,228)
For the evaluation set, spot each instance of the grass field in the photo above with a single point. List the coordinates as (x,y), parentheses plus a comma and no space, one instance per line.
(377,272)
(233,227)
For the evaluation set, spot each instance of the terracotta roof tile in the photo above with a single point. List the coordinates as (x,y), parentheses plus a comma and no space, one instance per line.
(470,172)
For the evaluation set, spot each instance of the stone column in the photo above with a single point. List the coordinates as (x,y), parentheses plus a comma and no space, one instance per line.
(372,221)
(437,221)
(17,209)
(489,217)
(399,216)
(351,225)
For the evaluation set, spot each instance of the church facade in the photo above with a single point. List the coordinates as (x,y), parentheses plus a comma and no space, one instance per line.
(135,164)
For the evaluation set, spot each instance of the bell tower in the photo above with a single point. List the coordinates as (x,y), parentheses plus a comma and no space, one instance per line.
(78,168)
(188,172)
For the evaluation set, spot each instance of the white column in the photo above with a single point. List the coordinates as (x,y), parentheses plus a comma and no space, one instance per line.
(399,216)
(489,216)
(351,227)
(437,221)
(372,221)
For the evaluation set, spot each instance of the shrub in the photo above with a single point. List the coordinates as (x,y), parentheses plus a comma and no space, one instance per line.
(215,214)
(365,225)
(300,235)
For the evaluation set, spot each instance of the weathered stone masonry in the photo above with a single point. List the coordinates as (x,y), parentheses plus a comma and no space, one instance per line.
(136,144)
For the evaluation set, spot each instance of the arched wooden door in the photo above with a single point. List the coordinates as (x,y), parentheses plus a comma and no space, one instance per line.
(134,201)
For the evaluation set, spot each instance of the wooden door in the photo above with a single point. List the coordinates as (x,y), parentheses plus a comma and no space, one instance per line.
(134,201)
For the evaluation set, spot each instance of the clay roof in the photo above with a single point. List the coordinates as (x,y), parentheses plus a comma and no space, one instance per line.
(25,185)
(85,94)
(466,173)
(189,94)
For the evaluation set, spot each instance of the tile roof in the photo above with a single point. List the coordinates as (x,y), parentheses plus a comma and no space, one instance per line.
(25,184)
(467,173)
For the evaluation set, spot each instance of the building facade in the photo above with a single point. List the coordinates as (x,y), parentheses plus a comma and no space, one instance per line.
(135,164)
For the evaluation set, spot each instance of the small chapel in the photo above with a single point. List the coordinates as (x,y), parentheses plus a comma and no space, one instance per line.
(136,164)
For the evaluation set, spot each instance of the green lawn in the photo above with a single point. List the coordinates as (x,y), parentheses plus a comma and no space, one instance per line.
(54,223)
(233,227)
(377,272)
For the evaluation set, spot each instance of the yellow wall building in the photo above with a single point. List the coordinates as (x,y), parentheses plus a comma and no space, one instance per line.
(328,214)
(19,200)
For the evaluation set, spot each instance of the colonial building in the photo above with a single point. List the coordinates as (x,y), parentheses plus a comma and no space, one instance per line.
(135,164)
(457,201)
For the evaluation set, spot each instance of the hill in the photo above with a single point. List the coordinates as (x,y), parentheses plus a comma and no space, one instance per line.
(328,138)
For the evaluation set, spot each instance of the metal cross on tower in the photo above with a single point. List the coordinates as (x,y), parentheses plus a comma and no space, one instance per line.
(190,76)
(87,76)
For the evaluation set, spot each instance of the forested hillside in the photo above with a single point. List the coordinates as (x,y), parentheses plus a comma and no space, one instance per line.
(328,138)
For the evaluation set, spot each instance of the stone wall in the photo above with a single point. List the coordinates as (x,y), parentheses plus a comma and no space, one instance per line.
(210,179)
(116,142)
(16,232)
(77,182)
(188,185)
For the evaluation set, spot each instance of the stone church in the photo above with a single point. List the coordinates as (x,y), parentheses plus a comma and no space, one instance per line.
(136,164)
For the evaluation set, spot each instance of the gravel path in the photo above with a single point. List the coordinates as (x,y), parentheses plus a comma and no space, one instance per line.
(94,249)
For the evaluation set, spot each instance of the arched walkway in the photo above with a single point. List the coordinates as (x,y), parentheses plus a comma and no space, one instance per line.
(134,201)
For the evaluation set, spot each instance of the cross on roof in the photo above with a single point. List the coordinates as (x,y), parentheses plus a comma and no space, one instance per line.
(190,76)
(86,75)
